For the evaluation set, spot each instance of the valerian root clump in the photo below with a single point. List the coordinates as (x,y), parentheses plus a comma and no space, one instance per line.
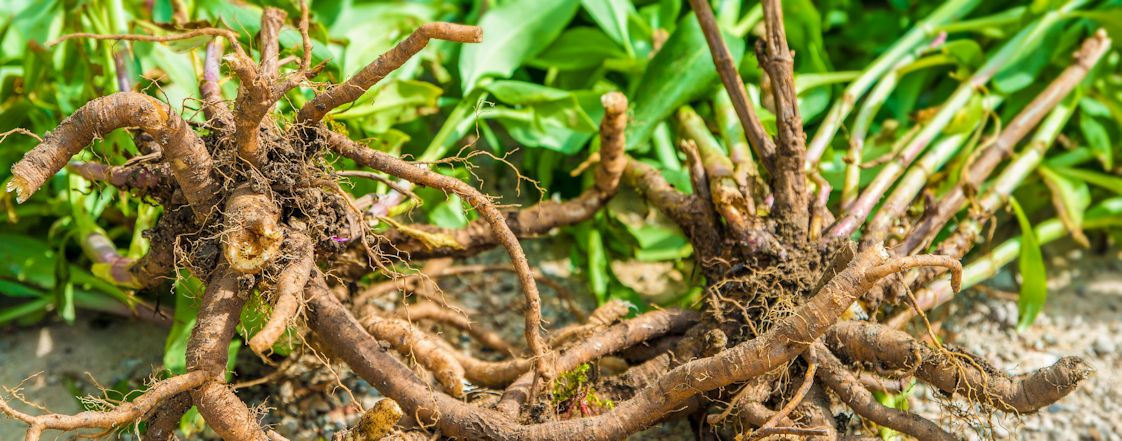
(252,204)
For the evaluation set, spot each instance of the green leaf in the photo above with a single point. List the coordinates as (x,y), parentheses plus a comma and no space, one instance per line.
(1032,57)
(394,103)
(1071,197)
(14,312)
(512,33)
(449,213)
(1097,139)
(1098,179)
(612,15)
(1034,279)
(578,48)
(521,92)
(589,240)
(564,125)
(682,71)
(967,53)
(188,291)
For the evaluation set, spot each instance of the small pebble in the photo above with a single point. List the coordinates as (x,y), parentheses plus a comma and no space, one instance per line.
(1103,346)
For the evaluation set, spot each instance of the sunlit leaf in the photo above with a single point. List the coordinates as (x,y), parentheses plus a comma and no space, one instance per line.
(513,32)
(680,72)
(1071,197)
(578,48)
(1034,280)
(188,291)
(612,15)
(1097,139)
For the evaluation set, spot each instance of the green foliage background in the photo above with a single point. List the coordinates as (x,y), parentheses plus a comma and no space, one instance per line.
(533,85)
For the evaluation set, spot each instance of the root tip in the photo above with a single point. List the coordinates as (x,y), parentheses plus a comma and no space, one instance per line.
(20,187)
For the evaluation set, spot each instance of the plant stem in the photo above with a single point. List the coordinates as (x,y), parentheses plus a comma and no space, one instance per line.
(950,10)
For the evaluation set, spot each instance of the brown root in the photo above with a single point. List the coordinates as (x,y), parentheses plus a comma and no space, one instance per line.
(353,88)
(431,311)
(421,347)
(141,177)
(545,216)
(833,373)
(122,414)
(487,210)
(958,373)
(288,293)
(226,414)
(254,238)
(183,149)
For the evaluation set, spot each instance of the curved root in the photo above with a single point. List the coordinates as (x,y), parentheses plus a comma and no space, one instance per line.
(289,290)
(956,372)
(124,413)
(353,88)
(414,343)
(854,395)
(182,148)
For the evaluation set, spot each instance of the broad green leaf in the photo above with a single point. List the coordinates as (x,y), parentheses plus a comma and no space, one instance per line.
(16,289)
(803,25)
(1109,19)
(1034,280)
(1097,139)
(679,73)
(1071,197)
(578,48)
(612,15)
(513,32)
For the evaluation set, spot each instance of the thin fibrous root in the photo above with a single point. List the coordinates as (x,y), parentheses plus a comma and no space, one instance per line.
(834,374)
(122,414)
(808,380)
(957,373)
(417,345)
(182,148)
(289,292)
(617,337)
(253,237)
(500,228)
(335,327)
(374,72)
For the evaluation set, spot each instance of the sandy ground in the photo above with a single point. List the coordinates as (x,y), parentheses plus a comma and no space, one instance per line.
(1083,317)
